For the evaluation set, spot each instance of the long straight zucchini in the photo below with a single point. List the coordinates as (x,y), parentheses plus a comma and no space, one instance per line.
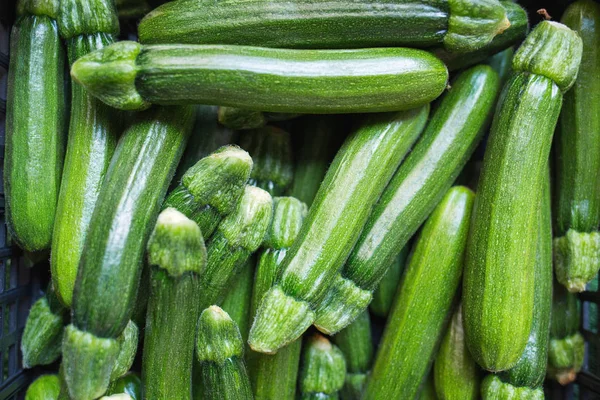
(419,184)
(499,274)
(425,296)
(354,182)
(35,125)
(459,24)
(323,370)
(131,76)
(177,257)
(577,161)
(93,133)
(110,268)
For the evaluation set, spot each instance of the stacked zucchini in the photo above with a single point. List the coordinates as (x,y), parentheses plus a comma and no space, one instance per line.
(203,203)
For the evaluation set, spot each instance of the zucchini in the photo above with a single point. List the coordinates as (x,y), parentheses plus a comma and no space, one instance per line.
(35,125)
(132,8)
(271,152)
(356,344)
(567,347)
(383,296)
(493,388)
(427,391)
(502,63)
(530,370)
(577,161)
(110,268)
(428,288)
(419,184)
(131,76)
(129,383)
(323,369)
(46,387)
(359,173)
(93,133)
(128,344)
(42,337)
(220,351)
(237,237)
(514,34)
(459,25)
(138,316)
(177,257)
(228,168)
(274,376)
(240,118)
(239,296)
(499,271)
(456,375)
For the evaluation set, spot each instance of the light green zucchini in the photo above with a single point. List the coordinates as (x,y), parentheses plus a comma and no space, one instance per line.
(46,387)
(493,388)
(323,369)
(128,344)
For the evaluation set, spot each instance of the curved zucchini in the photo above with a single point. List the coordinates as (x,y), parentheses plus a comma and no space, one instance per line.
(499,273)
(459,24)
(355,180)
(46,387)
(35,125)
(450,137)
(429,286)
(577,161)
(323,370)
(93,132)
(111,263)
(383,296)
(131,76)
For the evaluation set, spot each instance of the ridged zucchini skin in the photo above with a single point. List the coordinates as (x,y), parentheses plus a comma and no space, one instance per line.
(354,182)
(493,388)
(35,126)
(447,143)
(94,128)
(458,24)
(530,370)
(499,272)
(177,256)
(456,375)
(383,296)
(131,76)
(129,383)
(220,351)
(428,288)
(46,387)
(110,268)
(577,161)
(238,299)
(323,369)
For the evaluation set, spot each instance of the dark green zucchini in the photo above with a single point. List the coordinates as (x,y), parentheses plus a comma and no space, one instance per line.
(449,139)
(46,387)
(111,263)
(35,125)
(238,298)
(86,26)
(499,272)
(177,257)
(577,161)
(132,8)
(131,76)
(427,391)
(502,63)
(493,388)
(457,24)
(383,296)
(323,370)
(129,383)
(353,184)
(240,118)
(128,344)
(428,289)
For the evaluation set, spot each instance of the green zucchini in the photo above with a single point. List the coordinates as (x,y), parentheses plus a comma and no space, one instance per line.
(42,337)
(515,33)
(499,273)
(459,25)
(502,63)
(449,139)
(220,351)
(119,396)
(493,388)
(177,257)
(240,118)
(131,76)
(323,369)
(428,288)
(530,370)
(353,184)
(128,344)
(577,161)
(566,348)
(35,125)
(85,25)
(383,296)
(271,152)
(321,137)
(356,344)
(238,298)
(46,387)
(138,316)
(132,8)
(456,375)
(110,268)
(129,383)
(274,376)
(427,391)
(237,237)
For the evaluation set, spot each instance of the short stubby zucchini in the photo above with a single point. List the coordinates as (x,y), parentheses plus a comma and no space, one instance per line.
(131,76)
(460,25)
